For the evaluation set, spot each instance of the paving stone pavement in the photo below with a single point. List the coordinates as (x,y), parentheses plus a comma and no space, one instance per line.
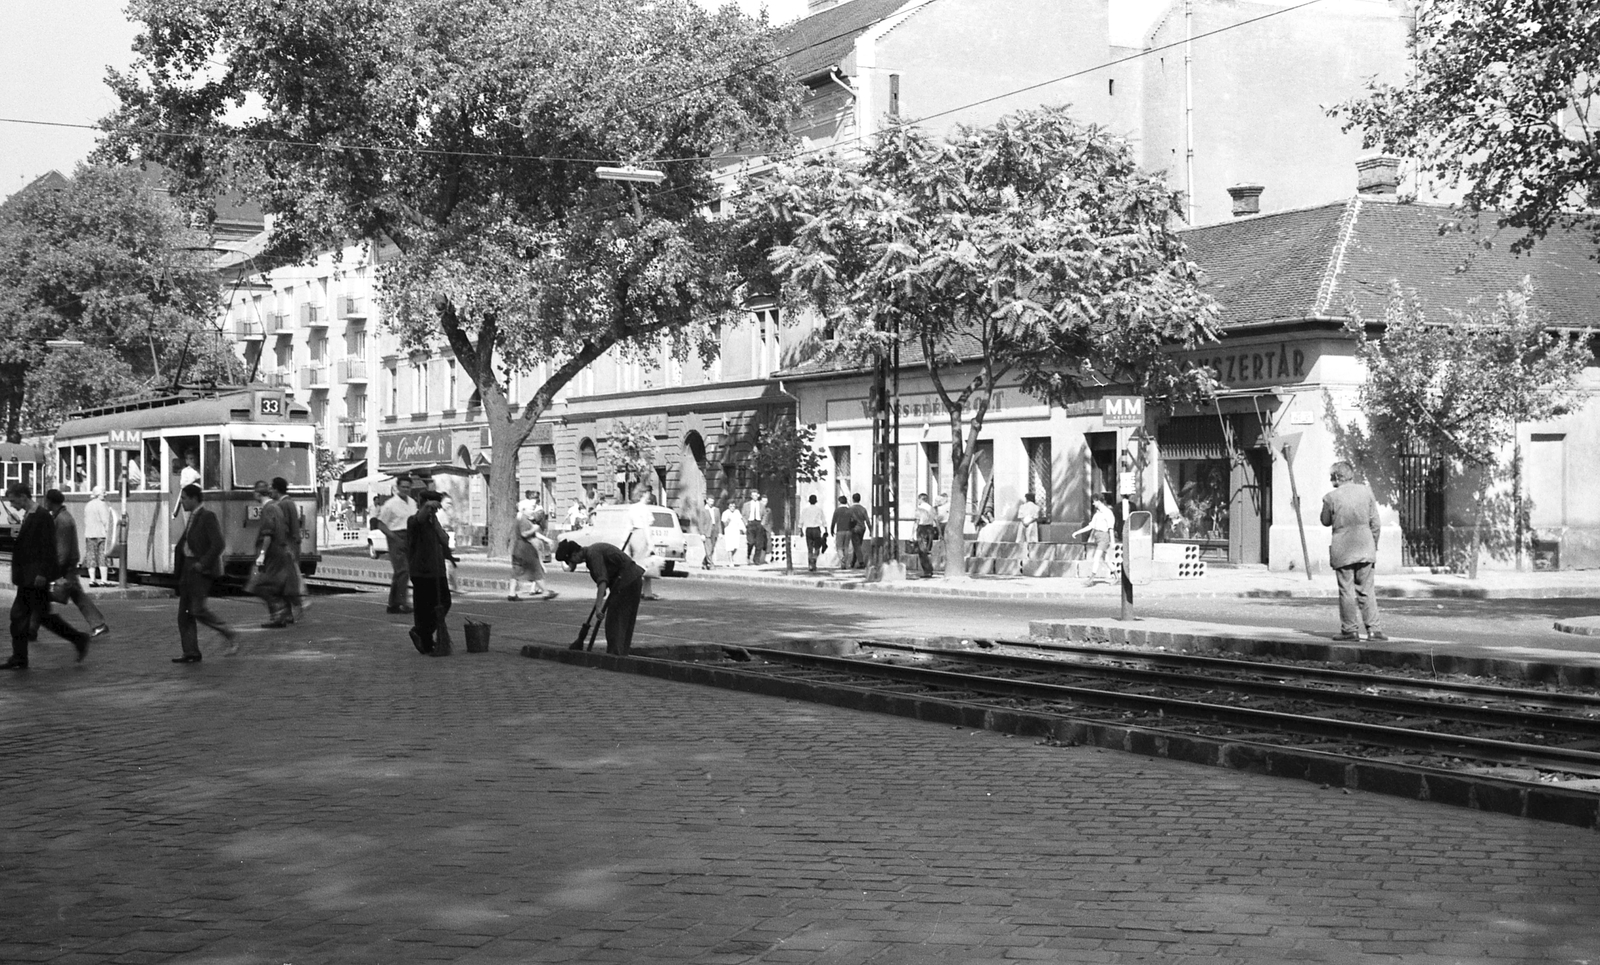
(329,796)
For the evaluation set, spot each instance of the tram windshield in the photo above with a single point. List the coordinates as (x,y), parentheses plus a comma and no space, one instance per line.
(264,460)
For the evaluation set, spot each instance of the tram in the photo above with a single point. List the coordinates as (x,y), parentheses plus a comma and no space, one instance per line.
(18,463)
(139,452)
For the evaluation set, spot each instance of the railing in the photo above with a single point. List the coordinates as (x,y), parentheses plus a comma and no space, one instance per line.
(314,376)
(313,316)
(276,378)
(352,370)
(352,433)
(248,330)
(352,308)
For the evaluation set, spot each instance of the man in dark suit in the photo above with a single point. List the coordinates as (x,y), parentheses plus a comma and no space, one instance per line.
(428,548)
(34,566)
(198,561)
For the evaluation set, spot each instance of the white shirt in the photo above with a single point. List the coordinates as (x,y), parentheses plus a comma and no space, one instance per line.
(1028,512)
(97,519)
(189,476)
(811,515)
(925,514)
(395,511)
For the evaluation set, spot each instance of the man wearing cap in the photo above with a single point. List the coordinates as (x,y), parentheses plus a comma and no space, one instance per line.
(428,546)
(619,586)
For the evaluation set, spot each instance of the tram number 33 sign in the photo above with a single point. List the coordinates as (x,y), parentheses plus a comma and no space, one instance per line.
(270,404)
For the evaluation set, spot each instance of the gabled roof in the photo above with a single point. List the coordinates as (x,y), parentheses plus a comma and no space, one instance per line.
(1326,261)
(815,44)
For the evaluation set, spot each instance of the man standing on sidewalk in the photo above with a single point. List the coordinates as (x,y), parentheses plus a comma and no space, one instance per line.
(927,532)
(34,567)
(755,528)
(67,554)
(1353,513)
(392,518)
(99,524)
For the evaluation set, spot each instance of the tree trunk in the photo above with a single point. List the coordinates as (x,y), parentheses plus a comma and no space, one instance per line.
(15,376)
(506,436)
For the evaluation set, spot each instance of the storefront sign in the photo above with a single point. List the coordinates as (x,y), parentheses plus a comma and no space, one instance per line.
(655,422)
(123,439)
(543,434)
(1123,410)
(413,448)
(1264,365)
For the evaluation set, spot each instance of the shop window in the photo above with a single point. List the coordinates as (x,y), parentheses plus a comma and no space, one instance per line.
(1197,501)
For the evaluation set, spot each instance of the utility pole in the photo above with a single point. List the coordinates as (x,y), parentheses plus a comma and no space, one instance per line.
(1188,108)
(886,458)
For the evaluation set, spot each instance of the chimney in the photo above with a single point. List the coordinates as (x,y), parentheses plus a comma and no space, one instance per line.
(1377,175)
(1246,199)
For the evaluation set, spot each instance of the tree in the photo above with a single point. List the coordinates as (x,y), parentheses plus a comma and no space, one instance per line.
(1505,100)
(105,260)
(1456,389)
(786,450)
(465,134)
(1034,249)
(631,450)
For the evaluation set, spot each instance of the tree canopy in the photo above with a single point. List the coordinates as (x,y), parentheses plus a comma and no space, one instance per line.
(1505,102)
(106,260)
(466,134)
(1034,250)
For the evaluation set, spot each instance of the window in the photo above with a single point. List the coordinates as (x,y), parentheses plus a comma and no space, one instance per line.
(211,464)
(588,469)
(450,397)
(419,387)
(894,95)
(841,471)
(264,460)
(547,476)
(392,373)
(931,477)
(356,405)
(1039,474)
(980,487)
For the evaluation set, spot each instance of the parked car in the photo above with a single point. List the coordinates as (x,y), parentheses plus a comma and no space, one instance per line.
(652,535)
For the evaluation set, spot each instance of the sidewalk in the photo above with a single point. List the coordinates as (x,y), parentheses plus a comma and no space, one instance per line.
(479,572)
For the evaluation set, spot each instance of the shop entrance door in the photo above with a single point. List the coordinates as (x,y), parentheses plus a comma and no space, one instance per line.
(1252,507)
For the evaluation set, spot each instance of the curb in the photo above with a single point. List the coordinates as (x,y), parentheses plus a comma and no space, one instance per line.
(1534,671)
(1541,803)
(109,593)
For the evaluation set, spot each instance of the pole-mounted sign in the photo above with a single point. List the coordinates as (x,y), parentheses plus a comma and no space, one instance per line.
(1123,410)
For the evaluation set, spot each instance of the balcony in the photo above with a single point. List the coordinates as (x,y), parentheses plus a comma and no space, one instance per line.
(351,308)
(313,316)
(314,376)
(352,370)
(352,433)
(247,330)
(276,378)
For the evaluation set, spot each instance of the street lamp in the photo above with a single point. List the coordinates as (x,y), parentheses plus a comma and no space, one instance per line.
(63,343)
(633,175)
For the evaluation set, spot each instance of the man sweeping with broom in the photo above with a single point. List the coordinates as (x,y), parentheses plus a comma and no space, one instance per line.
(619,583)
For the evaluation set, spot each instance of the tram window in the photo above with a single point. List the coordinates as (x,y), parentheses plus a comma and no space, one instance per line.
(185,468)
(211,464)
(150,477)
(264,460)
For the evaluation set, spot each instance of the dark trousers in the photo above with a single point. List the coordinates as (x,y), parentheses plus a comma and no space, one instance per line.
(926,534)
(1358,600)
(84,602)
(859,537)
(845,544)
(814,543)
(755,539)
(622,612)
(194,592)
(402,571)
(431,597)
(31,611)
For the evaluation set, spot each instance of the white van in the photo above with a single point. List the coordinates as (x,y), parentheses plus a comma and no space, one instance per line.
(651,535)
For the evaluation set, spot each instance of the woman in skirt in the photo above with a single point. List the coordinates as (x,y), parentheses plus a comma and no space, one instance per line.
(527,553)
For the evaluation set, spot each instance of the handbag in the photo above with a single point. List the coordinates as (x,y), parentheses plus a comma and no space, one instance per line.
(60,590)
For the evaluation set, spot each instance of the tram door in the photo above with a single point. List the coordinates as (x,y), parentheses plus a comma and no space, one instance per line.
(182,462)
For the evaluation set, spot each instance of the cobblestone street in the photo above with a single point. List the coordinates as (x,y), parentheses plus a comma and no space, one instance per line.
(335,798)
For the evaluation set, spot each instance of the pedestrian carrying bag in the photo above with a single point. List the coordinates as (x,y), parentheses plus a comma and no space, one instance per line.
(60,591)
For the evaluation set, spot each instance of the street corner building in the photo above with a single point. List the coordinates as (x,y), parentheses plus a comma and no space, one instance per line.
(1221,481)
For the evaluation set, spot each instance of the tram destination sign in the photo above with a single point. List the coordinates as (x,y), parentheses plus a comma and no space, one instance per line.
(413,448)
(126,440)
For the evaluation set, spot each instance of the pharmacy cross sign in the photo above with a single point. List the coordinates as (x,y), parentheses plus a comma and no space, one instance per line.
(1123,410)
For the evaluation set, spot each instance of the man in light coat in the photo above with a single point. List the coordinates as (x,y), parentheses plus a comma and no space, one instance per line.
(1352,511)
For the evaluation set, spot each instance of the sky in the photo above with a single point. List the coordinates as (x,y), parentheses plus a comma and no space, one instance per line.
(53,60)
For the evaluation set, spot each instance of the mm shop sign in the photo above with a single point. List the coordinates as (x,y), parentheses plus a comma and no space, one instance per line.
(1123,410)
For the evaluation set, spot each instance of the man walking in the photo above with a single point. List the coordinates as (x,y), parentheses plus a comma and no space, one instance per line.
(198,561)
(294,586)
(392,518)
(1353,513)
(1028,516)
(860,526)
(812,524)
(843,534)
(67,554)
(34,567)
(274,565)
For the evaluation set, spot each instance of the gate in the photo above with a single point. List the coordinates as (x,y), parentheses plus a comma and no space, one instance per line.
(1421,509)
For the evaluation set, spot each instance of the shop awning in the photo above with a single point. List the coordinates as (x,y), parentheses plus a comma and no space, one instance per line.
(354,470)
(367,484)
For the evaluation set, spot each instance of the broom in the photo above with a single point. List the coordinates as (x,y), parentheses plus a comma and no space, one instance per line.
(596,617)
